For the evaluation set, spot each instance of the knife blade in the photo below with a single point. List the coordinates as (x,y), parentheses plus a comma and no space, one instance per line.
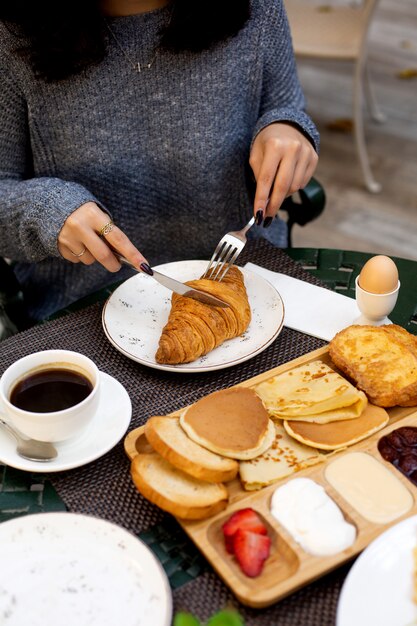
(175,285)
(187,291)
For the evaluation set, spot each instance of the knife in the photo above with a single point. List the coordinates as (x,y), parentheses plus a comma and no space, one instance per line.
(175,285)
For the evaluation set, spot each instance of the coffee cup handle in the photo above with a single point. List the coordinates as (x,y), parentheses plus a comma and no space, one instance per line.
(3,415)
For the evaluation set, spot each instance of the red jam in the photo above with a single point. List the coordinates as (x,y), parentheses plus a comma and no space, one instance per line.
(399,447)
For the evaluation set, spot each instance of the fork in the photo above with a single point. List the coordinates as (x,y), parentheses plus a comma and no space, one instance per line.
(226,252)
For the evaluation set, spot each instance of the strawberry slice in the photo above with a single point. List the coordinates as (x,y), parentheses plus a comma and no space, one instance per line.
(251,551)
(244,519)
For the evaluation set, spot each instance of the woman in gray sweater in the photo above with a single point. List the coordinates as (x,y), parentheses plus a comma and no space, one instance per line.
(142,124)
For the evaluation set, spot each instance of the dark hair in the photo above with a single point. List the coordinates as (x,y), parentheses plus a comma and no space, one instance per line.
(61,39)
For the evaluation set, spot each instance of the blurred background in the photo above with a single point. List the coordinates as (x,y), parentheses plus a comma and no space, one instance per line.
(355,218)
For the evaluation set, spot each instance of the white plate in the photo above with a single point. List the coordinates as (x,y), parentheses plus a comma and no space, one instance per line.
(77,570)
(378,590)
(105,430)
(136,312)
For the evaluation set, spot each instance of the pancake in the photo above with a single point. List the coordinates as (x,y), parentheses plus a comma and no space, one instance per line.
(337,435)
(285,457)
(231,422)
(312,392)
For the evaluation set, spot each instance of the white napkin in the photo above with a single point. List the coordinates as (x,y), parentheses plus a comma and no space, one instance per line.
(310,309)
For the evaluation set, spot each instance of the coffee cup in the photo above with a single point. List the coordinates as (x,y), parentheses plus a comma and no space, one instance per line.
(50,395)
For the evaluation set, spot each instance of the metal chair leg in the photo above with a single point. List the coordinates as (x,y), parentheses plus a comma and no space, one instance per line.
(373,107)
(372,185)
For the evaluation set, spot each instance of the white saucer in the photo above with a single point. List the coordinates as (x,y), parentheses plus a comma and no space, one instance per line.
(78,570)
(107,428)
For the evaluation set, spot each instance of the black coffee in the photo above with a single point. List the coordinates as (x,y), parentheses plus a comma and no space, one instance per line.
(50,390)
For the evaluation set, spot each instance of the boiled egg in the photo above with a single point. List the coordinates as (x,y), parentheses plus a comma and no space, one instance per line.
(379,275)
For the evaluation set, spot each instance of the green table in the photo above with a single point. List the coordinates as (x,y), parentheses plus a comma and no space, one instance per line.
(338,269)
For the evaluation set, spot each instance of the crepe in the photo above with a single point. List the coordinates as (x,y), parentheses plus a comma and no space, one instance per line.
(282,459)
(231,422)
(335,435)
(312,392)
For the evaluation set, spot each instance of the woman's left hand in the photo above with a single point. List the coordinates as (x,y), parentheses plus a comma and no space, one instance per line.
(283,160)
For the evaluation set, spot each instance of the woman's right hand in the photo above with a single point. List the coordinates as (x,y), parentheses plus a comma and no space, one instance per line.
(79,240)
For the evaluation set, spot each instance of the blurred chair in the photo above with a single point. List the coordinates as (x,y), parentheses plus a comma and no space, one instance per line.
(339,33)
(305,206)
(12,309)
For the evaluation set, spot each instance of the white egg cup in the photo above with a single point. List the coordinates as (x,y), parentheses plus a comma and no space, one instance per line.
(375,307)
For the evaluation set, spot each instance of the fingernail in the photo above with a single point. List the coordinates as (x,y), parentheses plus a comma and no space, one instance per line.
(146,268)
(267,221)
(259,217)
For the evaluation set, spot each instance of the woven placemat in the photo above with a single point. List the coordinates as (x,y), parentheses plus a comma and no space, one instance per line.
(103,488)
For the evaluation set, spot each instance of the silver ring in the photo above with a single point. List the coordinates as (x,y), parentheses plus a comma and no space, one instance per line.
(106,229)
(80,253)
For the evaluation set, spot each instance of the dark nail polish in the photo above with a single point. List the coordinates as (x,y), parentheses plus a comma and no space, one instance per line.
(145,268)
(259,217)
(267,221)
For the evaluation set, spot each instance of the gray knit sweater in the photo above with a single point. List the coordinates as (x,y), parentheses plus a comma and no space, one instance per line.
(164,151)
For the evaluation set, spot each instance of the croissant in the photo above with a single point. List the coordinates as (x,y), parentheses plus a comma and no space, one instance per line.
(194,328)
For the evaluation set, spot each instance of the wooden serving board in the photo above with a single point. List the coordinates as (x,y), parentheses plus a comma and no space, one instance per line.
(288,567)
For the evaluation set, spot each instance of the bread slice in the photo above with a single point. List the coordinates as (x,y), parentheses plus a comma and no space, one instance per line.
(168,438)
(403,335)
(381,360)
(174,491)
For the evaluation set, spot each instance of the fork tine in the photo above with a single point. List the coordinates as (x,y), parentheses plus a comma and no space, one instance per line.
(229,253)
(226,252)
(229,265)
(214,259)
(218,262)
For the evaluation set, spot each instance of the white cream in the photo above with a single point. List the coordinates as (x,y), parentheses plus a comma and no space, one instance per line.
(311,517)
(370,487)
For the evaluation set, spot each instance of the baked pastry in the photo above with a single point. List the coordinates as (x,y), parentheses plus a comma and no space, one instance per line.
(194,329)
(381,360)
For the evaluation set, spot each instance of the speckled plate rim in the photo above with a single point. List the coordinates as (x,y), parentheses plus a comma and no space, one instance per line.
(66,536)
(379,587)
(267,319)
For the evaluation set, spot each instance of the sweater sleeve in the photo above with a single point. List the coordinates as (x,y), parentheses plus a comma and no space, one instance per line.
(32,210)
(282,96)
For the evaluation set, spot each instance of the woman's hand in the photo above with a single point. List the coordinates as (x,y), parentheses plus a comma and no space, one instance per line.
(80,241)
(283,160)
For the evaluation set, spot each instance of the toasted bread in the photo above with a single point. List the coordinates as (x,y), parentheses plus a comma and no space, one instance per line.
(380,360)
(404,336)
(174,491)
(168,438)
